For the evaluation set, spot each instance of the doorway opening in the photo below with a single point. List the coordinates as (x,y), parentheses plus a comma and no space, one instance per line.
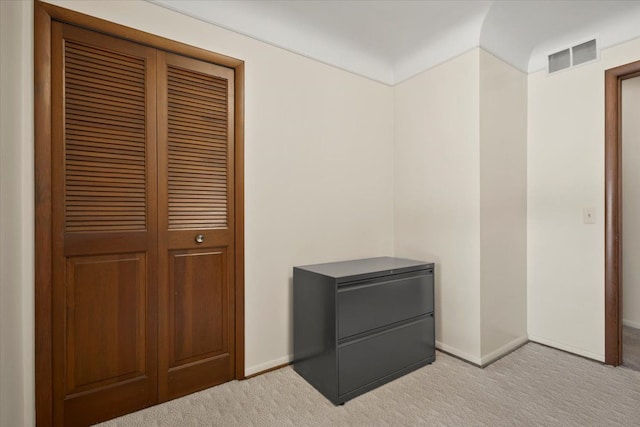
(613,209)
(630,140)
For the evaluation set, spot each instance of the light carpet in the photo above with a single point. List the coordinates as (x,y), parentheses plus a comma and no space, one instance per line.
(533,386)
(631,348)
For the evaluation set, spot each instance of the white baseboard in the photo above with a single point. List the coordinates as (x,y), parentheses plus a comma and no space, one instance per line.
(458,353)
(631,323)
(560,346)
(260,367)
(251,370)
(505,349)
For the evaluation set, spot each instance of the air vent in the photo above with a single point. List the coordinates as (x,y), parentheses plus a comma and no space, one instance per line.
(570,57)
(559,60)
(584,52)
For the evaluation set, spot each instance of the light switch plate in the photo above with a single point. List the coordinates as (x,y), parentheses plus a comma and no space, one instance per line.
(589,215)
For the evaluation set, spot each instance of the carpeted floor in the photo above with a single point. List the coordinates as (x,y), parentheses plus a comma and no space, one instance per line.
(533,386)
(631,347)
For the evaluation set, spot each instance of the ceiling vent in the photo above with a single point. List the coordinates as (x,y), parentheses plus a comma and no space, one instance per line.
(570,57)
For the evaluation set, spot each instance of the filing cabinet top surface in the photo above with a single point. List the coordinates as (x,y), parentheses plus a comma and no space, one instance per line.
(344,271)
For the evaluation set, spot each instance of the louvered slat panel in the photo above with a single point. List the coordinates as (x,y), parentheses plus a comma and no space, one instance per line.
(105,165)
(197,149)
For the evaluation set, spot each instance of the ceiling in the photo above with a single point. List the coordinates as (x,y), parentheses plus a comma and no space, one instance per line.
(390,41)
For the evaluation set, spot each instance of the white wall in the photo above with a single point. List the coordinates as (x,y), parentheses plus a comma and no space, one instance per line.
(16,215)
(631,202)
(437,192)
(503,207)
(565,173)
(318,178)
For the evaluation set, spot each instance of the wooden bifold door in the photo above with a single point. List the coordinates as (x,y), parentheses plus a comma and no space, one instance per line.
(196,222)
(143,246)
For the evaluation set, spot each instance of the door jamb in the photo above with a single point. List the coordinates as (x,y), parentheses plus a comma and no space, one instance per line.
(44,13)
(613,209)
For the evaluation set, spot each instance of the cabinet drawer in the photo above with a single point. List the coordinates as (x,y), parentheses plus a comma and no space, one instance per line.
(379,303)
(368,359)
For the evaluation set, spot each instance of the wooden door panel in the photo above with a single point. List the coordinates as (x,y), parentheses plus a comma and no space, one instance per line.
(199,316)
(199,313)
(106,310)
(84,409)
(186,379)
(104,221)
(111,338)
(196,222)
(105,146)
(197,145)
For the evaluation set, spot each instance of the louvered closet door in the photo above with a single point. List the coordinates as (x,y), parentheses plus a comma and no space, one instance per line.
(196,221)
(104,183)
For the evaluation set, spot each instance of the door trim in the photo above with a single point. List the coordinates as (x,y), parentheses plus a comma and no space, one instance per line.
(613,210)
(44,14)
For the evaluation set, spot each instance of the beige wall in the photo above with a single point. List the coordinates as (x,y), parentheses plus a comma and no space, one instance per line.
(318,180)
(503,207)
(16,215)
(437,193)
(460,198)
(565,173)
(340,167)
(631,201)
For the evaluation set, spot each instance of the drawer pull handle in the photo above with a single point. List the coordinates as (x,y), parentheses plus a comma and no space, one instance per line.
(200,238)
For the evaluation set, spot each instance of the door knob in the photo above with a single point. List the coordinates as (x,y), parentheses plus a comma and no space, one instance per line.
(200,238)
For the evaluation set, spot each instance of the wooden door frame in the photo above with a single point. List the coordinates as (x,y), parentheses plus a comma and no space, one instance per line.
(613,210)
(44,14)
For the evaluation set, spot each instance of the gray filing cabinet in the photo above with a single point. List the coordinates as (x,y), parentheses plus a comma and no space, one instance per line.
(359,324)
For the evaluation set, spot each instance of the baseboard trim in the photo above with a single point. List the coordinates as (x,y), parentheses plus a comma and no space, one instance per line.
(631,323)
(503,351)
(275,368)
(263,368)
(458,353)
(480,362)
(567,348)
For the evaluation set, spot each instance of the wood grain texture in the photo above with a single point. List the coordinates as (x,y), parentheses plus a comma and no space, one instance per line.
(197,144)
(58,313)
(239,219)
(199,305)
(612,223)
(104,293)
(43,231)
(195,198)
(613,209)
(106,320)
(100,135)
(65,15)
(120,114)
